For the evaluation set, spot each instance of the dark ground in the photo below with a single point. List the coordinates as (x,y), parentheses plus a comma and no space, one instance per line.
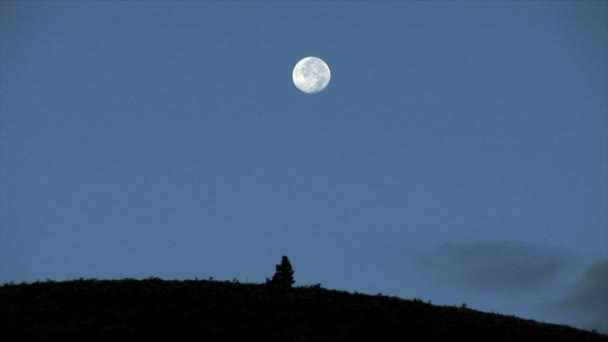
(211,310)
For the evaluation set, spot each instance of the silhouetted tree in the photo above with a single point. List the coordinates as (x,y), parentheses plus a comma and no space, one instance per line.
(283,276)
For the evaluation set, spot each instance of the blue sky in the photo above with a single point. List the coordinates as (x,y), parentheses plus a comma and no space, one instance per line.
(459,154)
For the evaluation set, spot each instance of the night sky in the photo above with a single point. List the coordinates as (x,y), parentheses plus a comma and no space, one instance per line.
(459,154)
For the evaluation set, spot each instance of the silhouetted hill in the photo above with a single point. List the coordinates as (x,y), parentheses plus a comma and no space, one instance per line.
(210,310)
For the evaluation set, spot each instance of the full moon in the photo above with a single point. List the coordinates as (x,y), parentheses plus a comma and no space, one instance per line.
(311,75)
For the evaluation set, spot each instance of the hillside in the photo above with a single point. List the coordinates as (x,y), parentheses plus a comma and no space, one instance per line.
(211,310)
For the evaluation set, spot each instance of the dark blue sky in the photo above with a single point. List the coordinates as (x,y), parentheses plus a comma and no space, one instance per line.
(459,154)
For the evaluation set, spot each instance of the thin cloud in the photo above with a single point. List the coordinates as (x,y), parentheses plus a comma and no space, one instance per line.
(500,266)
(588,301)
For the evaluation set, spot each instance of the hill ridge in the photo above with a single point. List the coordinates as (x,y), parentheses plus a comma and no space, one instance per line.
(130,309)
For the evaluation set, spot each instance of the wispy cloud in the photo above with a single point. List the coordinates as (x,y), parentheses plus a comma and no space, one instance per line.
(587,303)
(500,266)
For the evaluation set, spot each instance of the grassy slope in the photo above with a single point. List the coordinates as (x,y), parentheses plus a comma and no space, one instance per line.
(209,310)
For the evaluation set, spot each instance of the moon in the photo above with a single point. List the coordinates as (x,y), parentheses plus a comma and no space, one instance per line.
(311,75)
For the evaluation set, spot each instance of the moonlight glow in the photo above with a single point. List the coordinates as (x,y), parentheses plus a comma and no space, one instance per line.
(311,75)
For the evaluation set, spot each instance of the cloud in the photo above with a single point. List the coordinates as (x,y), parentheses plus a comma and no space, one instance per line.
(587,303)
(500,266)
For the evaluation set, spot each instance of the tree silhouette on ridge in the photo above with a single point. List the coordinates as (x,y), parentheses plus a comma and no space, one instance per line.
(283,276)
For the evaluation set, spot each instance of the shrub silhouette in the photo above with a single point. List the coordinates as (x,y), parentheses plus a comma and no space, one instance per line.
(283,276)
